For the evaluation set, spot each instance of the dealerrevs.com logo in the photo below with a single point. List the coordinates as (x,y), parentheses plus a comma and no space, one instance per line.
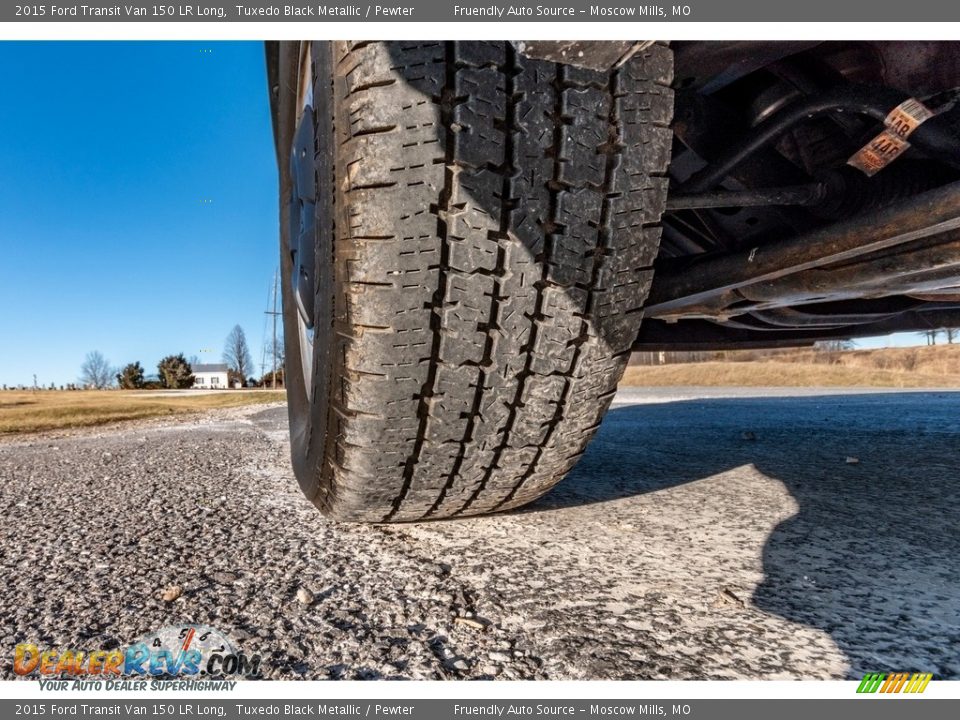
(173,651)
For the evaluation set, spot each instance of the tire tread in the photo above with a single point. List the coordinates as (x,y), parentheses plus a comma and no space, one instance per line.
(496,227)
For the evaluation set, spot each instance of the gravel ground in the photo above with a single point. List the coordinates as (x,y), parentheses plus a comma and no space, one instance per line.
(707,533)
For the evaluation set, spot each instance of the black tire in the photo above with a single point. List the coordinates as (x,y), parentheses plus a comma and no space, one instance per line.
(485,230)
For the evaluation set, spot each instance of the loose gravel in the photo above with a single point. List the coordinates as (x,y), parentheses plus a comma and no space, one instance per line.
(705,534)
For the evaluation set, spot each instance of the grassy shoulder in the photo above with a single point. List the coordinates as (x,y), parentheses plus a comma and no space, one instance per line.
(34,411)
(783,374)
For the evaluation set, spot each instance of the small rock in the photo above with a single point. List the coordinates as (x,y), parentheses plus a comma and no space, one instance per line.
(171,593)
(460,665)
(499,657)
(469,622)
(304,596)
(726,596)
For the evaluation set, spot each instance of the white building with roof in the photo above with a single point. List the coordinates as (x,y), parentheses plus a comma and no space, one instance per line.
(211,377)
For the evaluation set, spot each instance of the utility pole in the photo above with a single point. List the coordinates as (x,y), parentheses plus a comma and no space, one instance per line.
(274,313)
(276,277)
(263,353)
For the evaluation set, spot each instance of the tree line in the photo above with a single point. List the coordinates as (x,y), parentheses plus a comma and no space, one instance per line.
(174,372)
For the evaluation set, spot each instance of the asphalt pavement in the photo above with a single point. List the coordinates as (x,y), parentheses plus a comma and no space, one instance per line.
(707,533)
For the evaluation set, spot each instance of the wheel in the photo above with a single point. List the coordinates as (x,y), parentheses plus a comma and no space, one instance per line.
(467,242)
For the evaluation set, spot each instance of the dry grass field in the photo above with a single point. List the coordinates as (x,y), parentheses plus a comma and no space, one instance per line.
(916,367)
(32,411)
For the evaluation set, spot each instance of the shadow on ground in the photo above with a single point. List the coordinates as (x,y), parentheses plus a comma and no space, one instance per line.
(872,556)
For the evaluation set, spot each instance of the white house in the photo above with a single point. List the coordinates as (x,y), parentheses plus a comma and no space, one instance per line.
(210,377)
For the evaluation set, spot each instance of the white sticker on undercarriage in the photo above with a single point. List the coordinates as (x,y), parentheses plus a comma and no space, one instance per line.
(892,142)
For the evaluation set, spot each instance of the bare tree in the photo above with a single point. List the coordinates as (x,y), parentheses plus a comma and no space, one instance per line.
(931,336)
(236,353)
(951,334)
(96,371)
(828,351)
(280,353)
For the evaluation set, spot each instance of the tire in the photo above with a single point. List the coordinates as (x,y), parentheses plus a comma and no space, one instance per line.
(485,230)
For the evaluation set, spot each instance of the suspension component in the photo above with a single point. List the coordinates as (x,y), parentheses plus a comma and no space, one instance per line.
(936,139)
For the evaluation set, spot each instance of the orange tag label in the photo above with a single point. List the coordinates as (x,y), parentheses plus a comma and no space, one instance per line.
(878,153)
(892,142)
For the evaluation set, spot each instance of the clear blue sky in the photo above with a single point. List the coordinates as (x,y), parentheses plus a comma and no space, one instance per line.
(108,152)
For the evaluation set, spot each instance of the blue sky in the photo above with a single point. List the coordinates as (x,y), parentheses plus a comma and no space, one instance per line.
(138,203)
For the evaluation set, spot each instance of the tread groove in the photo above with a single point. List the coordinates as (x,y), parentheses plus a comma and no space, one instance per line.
(436,321)
(601,249)
(550,227)
(502,235)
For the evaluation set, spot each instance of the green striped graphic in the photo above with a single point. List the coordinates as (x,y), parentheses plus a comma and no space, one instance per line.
(871,682)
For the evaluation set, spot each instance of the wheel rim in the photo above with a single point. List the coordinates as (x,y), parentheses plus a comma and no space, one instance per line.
(306,355)
(303,211)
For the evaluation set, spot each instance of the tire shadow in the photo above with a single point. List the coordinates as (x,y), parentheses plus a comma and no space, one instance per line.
(872,555)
